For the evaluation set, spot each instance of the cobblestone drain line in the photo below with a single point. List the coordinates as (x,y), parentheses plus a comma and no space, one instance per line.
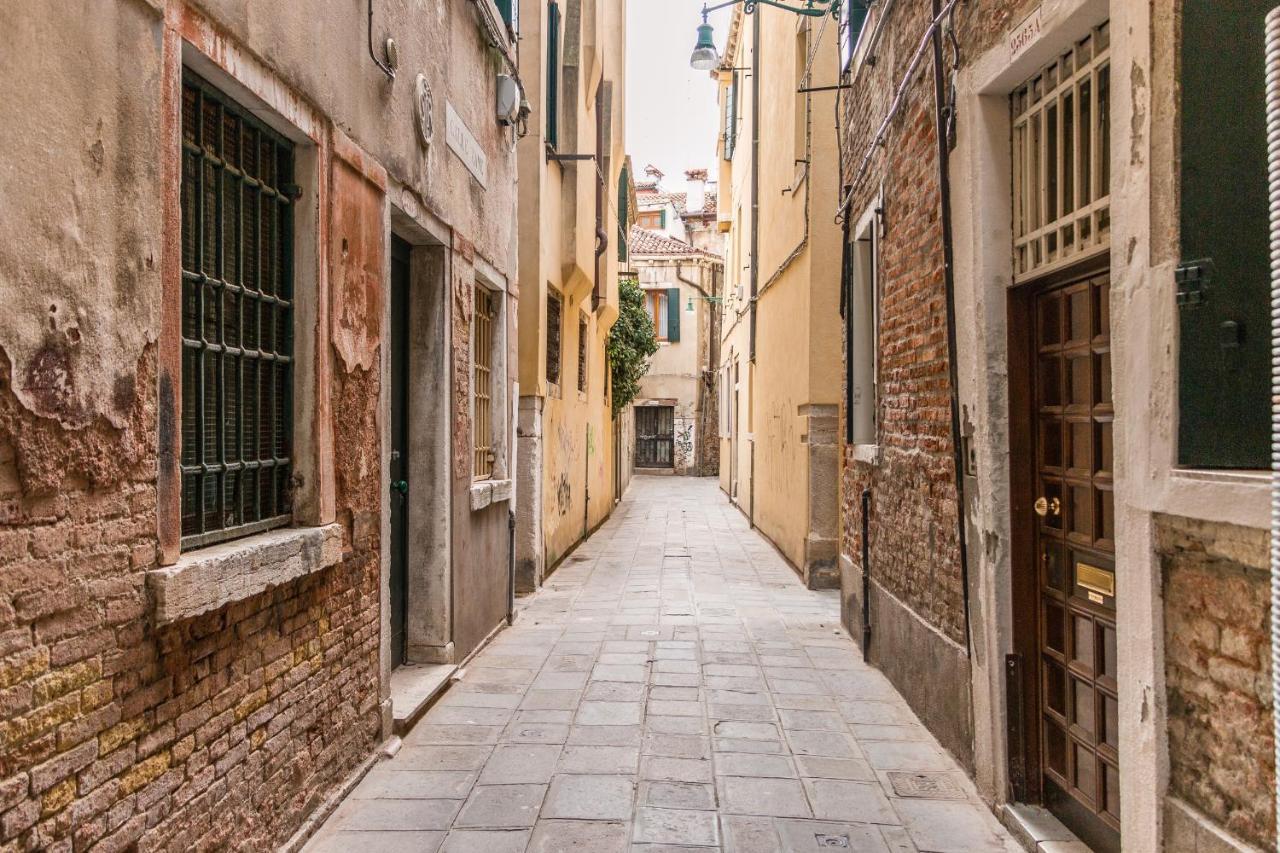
(673,687)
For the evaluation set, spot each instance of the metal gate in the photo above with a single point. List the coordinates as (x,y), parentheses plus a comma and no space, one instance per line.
(655,436)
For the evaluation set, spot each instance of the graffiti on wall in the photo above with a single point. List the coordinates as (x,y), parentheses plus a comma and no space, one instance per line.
(683,441)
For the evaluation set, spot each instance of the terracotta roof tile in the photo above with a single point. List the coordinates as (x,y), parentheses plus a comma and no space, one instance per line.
(646,242)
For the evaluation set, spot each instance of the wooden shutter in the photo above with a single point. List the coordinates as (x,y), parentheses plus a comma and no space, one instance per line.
(673,314)
(1223,280)
(731,118)
(553,74)
(510,10)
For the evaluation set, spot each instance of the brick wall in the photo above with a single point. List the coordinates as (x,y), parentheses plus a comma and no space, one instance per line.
(914,545)
(221,732)
(1218,673)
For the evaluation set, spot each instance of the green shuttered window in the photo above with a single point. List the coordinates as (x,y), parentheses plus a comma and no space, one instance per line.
(673,315)
(237,319)
(1223,280)
(553,74)
(510,11)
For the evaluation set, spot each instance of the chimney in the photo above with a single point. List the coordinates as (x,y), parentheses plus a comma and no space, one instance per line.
(697,198)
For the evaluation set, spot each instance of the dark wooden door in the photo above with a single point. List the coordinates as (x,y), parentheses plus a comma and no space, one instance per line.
(399,446)
(1074,538)
(655,436)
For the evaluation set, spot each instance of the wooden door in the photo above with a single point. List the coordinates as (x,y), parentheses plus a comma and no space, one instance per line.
(655,436)
(1074,544)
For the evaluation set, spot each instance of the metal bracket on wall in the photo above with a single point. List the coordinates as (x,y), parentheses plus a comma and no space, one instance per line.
(1192,279)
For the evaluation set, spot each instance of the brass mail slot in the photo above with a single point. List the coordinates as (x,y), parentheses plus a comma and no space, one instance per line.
(1095,579)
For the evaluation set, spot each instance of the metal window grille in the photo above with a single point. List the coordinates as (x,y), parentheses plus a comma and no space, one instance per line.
(1061,159)
(482,388)
(554,306)
(582,354)
(237,319)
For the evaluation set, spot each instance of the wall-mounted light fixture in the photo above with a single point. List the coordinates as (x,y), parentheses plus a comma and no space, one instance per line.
(705,57)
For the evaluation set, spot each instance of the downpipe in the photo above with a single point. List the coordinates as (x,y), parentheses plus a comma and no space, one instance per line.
(1273,167)
(866,575)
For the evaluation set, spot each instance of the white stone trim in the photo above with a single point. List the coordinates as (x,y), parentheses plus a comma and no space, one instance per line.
(211,578)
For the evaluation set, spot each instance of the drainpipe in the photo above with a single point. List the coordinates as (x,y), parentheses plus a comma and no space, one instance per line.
(1273,144)
(866,575)
(942,115)
(755,246)
(511,567)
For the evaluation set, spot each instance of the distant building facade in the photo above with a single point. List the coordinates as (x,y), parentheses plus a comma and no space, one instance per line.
(676,411)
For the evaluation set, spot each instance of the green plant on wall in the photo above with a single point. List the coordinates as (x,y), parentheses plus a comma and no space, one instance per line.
(631,342)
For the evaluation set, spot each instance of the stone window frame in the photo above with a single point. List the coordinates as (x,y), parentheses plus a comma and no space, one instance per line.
(497,485)
(863,433)
(204,579)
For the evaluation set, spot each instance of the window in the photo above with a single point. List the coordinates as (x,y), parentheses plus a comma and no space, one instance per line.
(510,11)
(482,344)
(237,320)
(800,117)
(664,309)
(1061,159)
(853,19)
(554,312)
(582,354)
(654,220)
(553,74)
(862,331)
(1223,280)
(731,116)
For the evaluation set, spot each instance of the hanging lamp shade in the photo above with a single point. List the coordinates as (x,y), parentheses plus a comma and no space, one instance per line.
(704,56)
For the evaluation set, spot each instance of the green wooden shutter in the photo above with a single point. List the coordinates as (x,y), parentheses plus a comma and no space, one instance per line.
(1223,281)
(623,215)
(673,314)
(731,118)
(510,10)
(553,74)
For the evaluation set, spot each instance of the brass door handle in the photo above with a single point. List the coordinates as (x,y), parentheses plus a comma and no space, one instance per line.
(1045,506)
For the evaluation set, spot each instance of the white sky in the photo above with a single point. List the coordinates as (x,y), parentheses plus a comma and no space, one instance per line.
(672,117)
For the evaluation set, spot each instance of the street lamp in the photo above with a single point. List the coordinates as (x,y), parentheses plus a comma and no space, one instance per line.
(705,57)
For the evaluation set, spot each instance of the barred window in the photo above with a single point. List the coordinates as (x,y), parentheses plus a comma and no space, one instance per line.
(582,354)
(554,312)
(482,383)
(1061,159)
(237,319)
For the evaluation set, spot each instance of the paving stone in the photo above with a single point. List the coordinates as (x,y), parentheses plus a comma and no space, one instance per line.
(451,734)
(608,714)
(670,708)
(678,694)
(747,730)
(938,825)
(501,806)
(745,713)
(547,733)
(747,834)
(383,842)
(757,796)
(733,744)
(905,755)
(663,769)
(821,767)
(614,691)
(820,720)
(754,764)
(675,826)
(520,763)
(599,759)
(482,841)
(395,814)
(562,836)
(383,783)
(827,744)
(677,795)
(590,797)
(845,800)
(440,758)
(805,835)
(604,735)
(676,746)
(557,700)
(676,725)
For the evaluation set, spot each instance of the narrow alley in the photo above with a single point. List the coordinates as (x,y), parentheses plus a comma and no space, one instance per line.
(672,686)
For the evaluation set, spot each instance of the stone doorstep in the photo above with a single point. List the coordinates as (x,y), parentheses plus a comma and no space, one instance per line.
(414,687)
(1036,829)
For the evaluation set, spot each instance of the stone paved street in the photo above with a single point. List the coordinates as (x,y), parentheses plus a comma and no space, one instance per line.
(674,686)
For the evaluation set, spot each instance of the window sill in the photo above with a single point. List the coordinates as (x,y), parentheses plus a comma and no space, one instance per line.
(211,578)
(487,492)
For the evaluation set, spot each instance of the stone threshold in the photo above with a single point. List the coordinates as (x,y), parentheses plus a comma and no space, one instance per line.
(414,687)
(1036,829)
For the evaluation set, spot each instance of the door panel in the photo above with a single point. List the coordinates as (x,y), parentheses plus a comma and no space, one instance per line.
(1074,535)
(655,436)
(399,474)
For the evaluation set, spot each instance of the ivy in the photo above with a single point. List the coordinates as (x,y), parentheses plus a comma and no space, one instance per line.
(631,342)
